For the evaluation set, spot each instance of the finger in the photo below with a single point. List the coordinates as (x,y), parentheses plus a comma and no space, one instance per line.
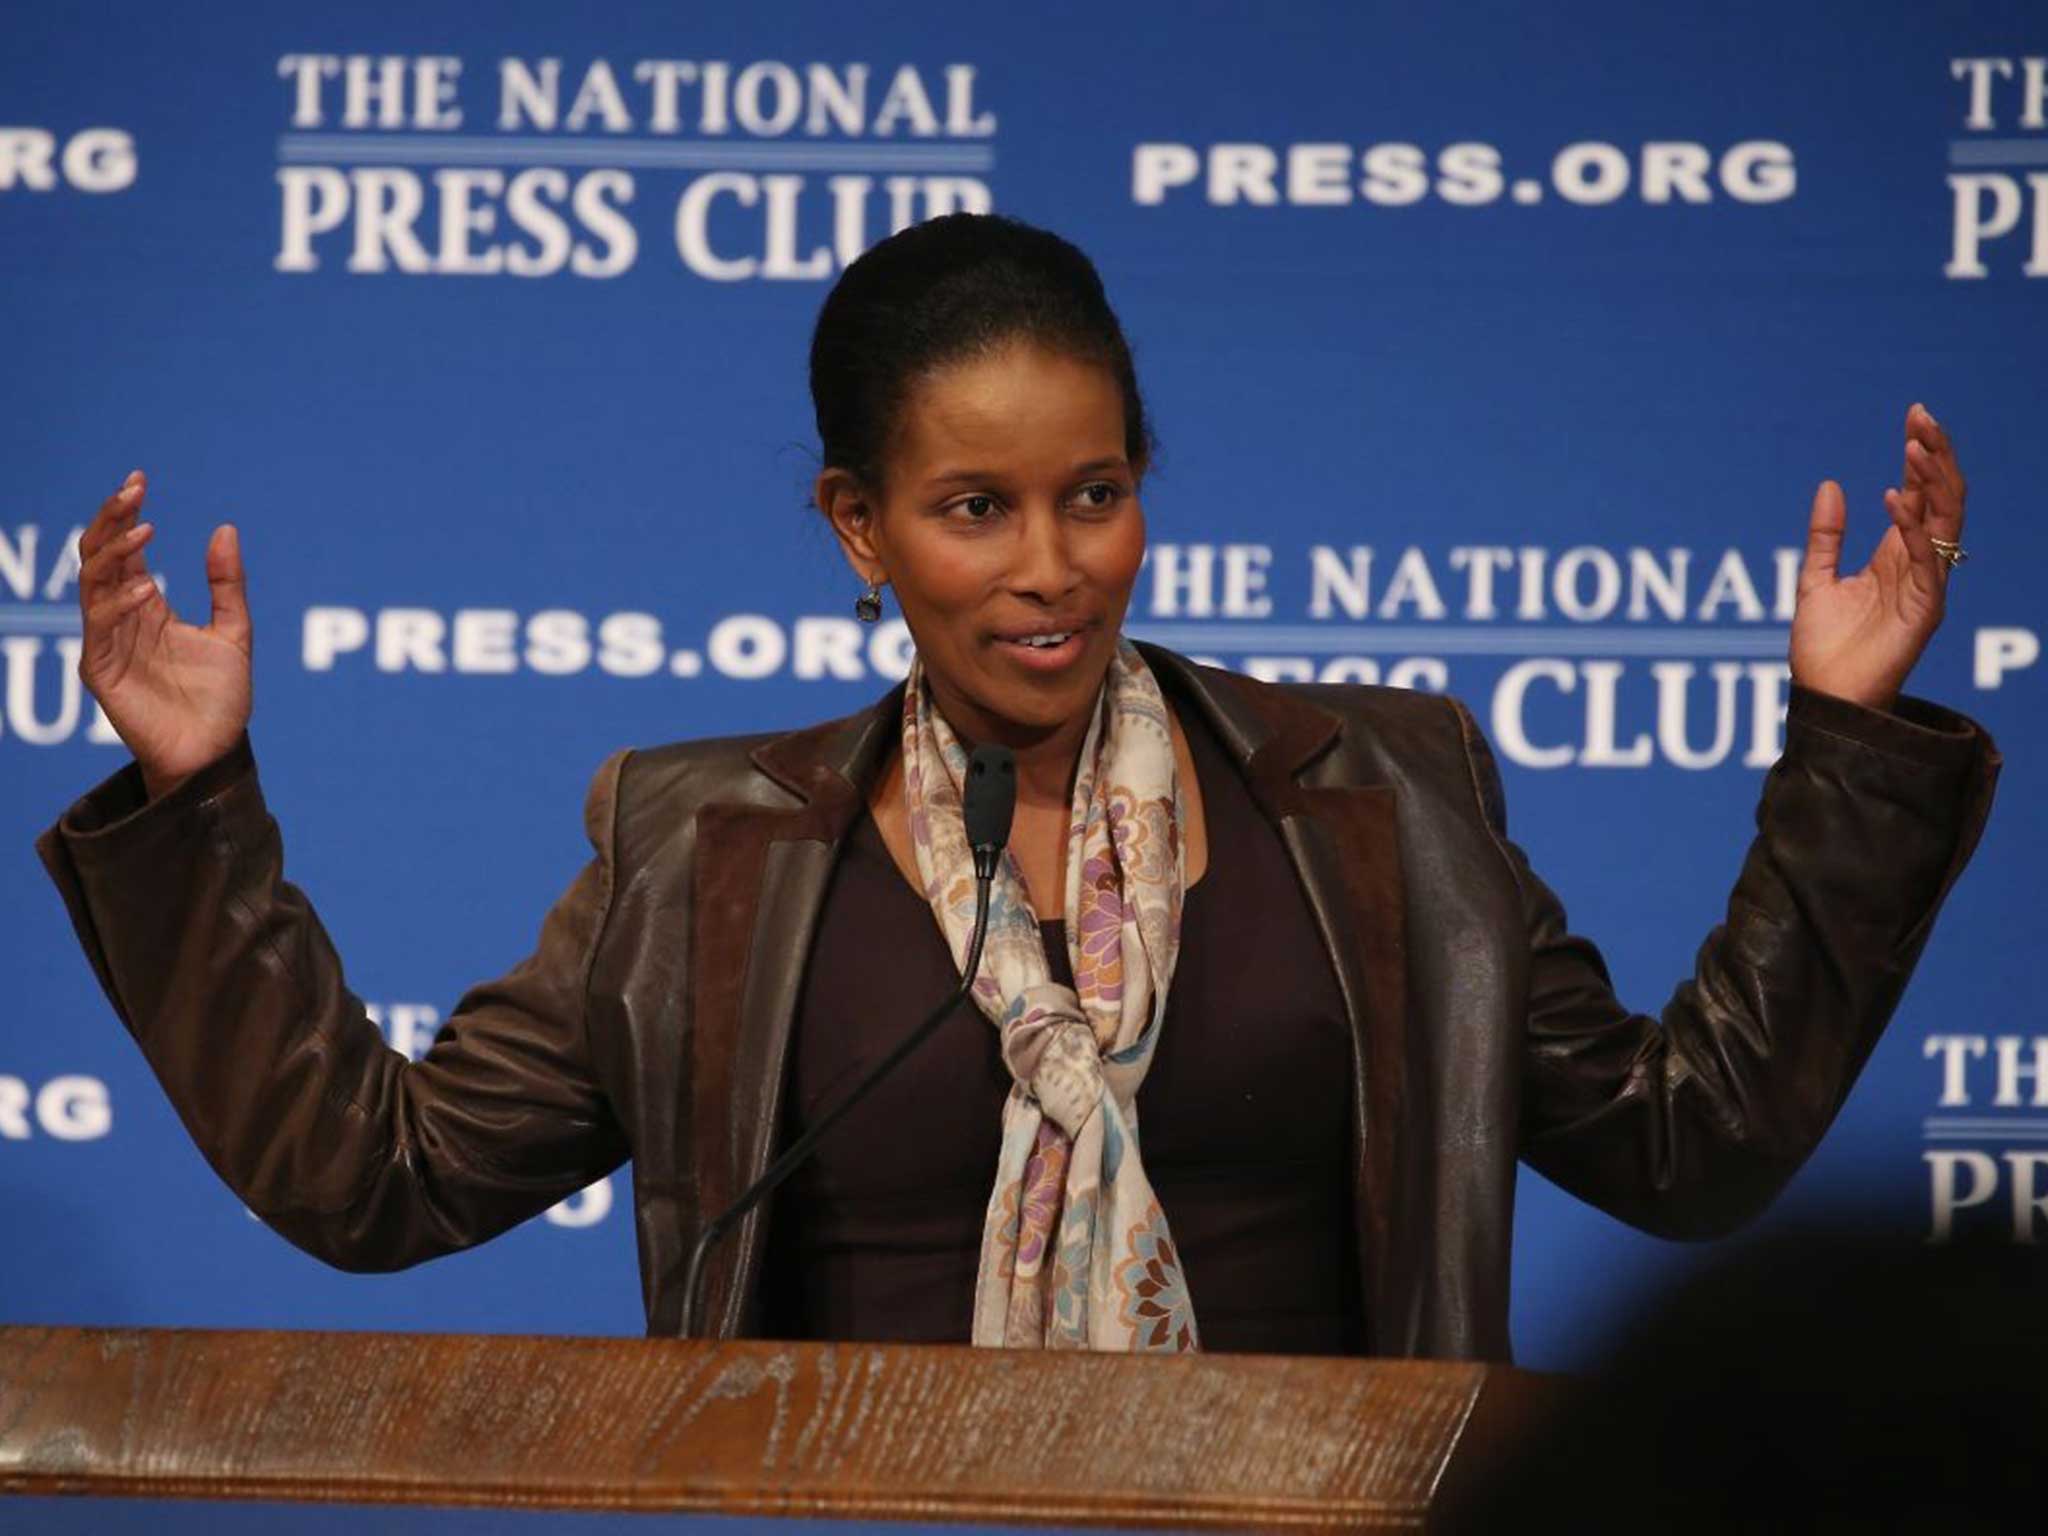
(1921,422)
(224,580)
(1925,569)
(118,557)
(1922,428)
(1908,514)
(114,512)
(1824,527)
(1944,492)
(104,620)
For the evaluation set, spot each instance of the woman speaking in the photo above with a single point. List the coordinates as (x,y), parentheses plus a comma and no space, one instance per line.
(1269,1005)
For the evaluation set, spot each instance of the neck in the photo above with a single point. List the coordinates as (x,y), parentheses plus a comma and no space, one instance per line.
(1046,768)
(1047,756)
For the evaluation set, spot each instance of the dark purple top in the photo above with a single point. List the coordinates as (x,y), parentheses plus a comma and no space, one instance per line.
(1244,1117)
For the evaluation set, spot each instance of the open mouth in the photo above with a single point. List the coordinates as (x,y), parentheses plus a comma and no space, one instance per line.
(1049,650)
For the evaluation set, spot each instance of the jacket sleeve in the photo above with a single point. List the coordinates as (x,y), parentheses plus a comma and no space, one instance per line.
(1687,1125)
(228,982)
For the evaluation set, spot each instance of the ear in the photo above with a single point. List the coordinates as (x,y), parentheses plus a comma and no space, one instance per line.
(852,514)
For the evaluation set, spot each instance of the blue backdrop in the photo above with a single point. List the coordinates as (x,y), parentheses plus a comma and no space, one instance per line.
(1492,348)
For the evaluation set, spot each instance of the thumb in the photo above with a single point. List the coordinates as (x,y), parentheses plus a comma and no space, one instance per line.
(224,581)
(1823,537)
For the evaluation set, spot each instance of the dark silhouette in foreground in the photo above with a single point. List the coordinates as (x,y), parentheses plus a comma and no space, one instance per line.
(1830,1378)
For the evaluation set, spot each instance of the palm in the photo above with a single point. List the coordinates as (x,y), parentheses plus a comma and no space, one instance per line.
(177,694)
(1865,631)
(1859,636)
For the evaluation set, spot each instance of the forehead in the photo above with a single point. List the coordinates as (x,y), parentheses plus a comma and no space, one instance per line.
(1016,410)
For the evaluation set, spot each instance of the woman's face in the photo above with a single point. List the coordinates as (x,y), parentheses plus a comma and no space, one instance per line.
(1011,534)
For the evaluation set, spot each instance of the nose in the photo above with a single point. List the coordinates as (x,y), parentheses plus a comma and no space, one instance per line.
(1043,566)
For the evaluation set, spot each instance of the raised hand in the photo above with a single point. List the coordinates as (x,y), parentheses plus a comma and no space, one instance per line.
(178,695)
(1858,636)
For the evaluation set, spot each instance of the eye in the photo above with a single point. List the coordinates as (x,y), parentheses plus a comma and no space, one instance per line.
(1100,495)
(979,508)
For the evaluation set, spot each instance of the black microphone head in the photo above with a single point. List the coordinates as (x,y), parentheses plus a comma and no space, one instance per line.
(989,800)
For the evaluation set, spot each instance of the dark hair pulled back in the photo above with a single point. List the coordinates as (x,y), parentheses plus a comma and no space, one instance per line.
(953,288)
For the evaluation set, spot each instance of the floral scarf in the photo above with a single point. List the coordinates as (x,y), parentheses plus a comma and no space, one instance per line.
(1075,1253)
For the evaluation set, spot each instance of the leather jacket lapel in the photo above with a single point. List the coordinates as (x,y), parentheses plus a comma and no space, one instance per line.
(759,884)
(1341,837)
(1343,842)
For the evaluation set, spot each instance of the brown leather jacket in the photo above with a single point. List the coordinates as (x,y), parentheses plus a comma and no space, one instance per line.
(653,1019)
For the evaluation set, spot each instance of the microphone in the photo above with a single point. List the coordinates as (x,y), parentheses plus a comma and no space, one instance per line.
(988,801)
(987,805)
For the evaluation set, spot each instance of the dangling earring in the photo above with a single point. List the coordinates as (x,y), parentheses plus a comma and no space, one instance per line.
(868,606)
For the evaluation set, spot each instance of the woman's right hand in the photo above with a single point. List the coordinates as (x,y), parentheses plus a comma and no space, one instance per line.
(178,695)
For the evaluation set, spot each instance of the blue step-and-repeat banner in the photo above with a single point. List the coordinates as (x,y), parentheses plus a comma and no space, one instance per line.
(1493,348)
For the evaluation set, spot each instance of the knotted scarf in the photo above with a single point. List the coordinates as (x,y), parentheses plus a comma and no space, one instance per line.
(1075,1252)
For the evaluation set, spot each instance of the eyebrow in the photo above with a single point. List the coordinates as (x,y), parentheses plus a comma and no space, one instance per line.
(961,476)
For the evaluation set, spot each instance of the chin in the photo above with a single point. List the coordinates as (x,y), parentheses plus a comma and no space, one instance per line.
(1044,704)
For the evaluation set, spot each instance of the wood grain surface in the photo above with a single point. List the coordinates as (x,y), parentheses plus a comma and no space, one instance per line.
(855,1431)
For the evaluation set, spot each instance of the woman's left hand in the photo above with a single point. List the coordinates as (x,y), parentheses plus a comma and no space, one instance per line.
(1858,636)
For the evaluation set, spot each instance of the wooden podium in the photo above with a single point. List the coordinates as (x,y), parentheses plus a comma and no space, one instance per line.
(853,1431)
